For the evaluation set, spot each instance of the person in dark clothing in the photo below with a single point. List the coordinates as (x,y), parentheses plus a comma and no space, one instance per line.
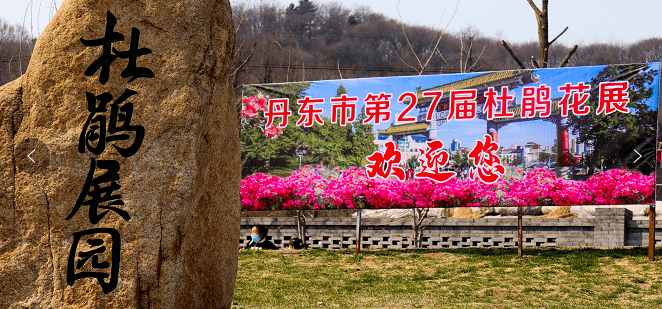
(259,239)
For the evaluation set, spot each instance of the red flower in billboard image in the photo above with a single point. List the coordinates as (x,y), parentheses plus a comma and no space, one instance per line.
(261,102)
(249,110)
(272,132)
(384,164)
(253,104)
(488,167)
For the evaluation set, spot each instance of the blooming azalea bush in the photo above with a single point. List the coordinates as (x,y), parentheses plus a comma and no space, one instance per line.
(262,192)
(621,187)
(320,188)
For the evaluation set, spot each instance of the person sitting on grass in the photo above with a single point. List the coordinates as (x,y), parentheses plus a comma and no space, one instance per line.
(297,244)
(259,239)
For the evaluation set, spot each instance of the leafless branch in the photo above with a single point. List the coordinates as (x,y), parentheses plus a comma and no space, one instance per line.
(461,51)
(562,32)
(243,15)
(234,74)
(535,8)
(567,57)
(534,63)
(236,54)
(288,61)
(442,32)
(441,55)
(411,47)
(512,54)
(407,64)
(440,36)
(477,59)
(339,73)
(303,63)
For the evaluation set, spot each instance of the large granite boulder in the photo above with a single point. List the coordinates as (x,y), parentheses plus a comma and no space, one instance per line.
(119,149)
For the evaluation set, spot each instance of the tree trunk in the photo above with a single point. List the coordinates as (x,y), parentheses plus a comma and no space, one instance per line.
(420,214)
(592,162)
(543,34)
(301,226)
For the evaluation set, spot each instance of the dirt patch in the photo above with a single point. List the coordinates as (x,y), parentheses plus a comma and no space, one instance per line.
(502,293)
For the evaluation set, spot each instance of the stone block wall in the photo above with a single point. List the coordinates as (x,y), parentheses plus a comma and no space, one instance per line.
(610,227)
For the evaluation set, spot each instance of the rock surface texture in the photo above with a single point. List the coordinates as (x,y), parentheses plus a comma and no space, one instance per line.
(157,214)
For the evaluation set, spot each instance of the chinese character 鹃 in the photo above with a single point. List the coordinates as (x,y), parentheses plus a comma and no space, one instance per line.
(94,129)
(536,99)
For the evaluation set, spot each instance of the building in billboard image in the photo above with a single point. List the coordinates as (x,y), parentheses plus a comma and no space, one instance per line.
(412,136)
(563,136)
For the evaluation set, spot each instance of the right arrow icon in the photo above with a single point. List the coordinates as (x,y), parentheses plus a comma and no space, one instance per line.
(635,161)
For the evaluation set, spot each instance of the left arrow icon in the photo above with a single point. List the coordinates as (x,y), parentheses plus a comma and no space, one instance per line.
(33,161)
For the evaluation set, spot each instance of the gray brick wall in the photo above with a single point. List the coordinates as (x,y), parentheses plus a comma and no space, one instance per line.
(611,227)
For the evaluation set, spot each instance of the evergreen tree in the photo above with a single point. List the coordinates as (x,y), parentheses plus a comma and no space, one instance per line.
(615,136)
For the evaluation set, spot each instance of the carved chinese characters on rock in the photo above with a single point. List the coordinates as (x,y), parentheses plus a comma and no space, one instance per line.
(95,252)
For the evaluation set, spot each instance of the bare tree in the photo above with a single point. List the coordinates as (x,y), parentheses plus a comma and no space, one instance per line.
(468,64)
(542,17)
(420,214)
(15,51)
(430,52)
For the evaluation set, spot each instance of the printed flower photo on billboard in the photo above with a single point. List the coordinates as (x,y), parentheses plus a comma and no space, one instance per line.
(565,136)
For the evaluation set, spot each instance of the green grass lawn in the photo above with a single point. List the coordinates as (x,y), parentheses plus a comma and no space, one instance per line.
(446,278)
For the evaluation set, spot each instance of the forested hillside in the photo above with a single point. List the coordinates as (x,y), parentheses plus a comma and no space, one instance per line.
(308,40)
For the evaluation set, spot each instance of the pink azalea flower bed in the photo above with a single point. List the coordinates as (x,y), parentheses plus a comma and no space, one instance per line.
(319,188)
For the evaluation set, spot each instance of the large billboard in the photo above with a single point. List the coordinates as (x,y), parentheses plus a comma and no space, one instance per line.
(563,136)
